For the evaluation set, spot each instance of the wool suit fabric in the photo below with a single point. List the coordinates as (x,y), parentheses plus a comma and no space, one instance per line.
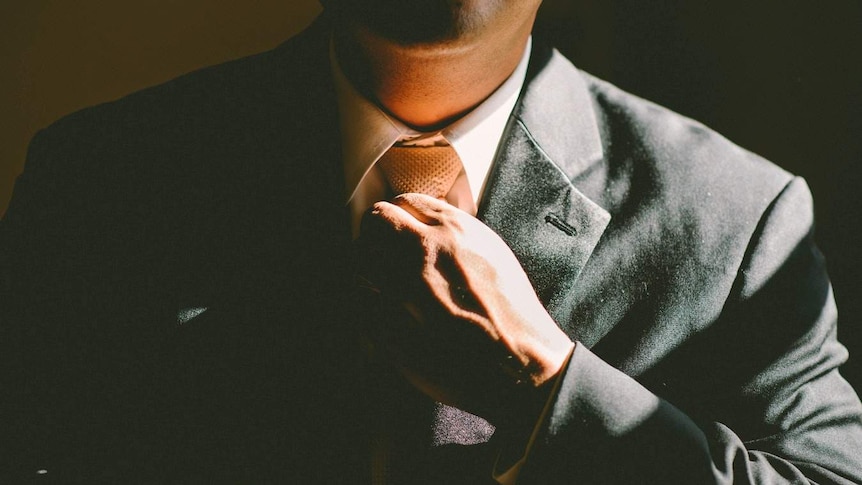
(176,274)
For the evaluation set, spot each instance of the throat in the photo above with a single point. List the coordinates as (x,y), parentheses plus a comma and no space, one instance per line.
(426,88)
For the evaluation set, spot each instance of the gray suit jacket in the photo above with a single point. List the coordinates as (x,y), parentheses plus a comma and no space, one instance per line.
(176,303)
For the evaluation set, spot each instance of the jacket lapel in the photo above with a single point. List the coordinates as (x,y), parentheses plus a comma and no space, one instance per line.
(530,201)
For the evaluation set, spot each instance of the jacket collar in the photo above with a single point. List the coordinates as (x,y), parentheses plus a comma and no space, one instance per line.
(557,110)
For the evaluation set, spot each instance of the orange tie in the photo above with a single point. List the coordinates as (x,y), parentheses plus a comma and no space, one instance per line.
(426,170)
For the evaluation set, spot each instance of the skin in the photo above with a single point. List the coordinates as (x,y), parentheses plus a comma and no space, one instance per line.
(447,59)
(459,317)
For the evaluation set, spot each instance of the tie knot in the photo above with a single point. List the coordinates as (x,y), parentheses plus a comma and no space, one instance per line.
(426,170)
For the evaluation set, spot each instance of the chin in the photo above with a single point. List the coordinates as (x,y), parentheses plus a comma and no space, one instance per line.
(414,22)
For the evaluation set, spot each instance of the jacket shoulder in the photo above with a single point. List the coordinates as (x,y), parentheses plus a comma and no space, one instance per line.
(677,150)
(211,121)
(679,164)
(230,94)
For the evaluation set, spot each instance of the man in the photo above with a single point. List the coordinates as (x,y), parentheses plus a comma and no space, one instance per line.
(589,289)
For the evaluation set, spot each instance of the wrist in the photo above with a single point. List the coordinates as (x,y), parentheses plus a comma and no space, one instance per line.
(533,388)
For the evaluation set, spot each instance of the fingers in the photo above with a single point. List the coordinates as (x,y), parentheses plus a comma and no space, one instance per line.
(411,212)
(399,242)
(390,250)
(424,208)
(397,217)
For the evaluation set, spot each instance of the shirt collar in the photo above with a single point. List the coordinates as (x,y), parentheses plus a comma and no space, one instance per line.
(367,131)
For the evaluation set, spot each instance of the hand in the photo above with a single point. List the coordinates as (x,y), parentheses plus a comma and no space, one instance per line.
(460,321)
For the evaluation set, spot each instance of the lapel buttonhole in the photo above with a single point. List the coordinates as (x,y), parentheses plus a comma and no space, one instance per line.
(560,224)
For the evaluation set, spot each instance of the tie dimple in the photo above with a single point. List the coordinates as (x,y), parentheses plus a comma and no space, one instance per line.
(426,170)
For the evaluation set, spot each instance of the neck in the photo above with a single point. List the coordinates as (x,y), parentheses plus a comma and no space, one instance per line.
(428,86)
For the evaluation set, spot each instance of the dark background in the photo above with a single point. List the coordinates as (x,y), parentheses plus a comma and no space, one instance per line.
(783,79)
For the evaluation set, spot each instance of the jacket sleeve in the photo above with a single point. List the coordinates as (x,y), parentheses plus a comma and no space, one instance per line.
(777,410)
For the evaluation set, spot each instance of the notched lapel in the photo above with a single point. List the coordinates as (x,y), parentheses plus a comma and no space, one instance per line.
(551,226)
(530,201)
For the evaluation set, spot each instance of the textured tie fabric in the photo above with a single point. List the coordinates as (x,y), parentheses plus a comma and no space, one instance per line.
(427,170)
(417,441)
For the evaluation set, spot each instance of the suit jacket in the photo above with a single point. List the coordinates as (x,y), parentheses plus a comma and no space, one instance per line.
(176,291)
